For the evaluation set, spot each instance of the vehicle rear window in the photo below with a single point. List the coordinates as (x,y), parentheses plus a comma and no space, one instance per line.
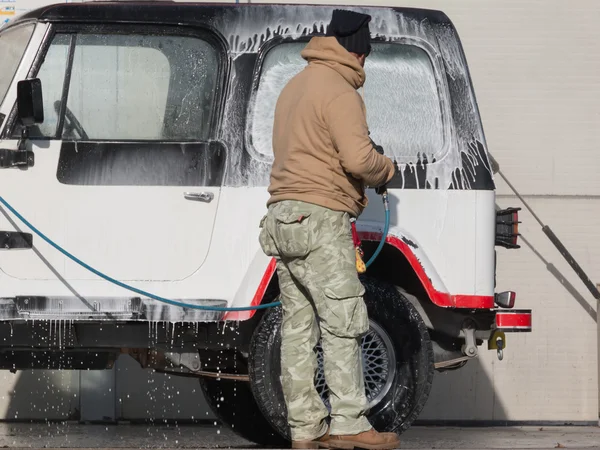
(401,95)
(13,42)
(129,87)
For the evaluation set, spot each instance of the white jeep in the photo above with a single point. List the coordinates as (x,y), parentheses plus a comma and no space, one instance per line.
(135,143)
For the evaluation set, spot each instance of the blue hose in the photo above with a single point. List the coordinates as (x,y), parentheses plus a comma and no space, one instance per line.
(162,299)
(386,229)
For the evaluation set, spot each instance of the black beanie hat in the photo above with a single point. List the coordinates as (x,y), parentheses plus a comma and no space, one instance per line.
(351,30)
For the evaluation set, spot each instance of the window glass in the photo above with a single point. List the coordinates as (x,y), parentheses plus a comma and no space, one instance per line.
(13,43)
(141,163)
(118,90)
(52,76)
(279,66)
(400,93)
(132,87)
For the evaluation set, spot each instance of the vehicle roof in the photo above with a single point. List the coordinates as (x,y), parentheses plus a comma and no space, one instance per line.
(169,12)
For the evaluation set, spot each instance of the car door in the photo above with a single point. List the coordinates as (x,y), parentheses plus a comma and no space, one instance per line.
(127,173)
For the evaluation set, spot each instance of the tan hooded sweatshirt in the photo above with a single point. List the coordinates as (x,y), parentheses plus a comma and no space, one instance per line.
(323,154)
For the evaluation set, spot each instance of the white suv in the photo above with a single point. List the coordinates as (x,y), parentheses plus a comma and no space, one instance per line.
(150,165)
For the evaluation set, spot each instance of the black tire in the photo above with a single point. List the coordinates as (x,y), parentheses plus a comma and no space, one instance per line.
(393,408)
(239,411)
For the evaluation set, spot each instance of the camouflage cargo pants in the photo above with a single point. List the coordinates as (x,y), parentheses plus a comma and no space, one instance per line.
(321,295)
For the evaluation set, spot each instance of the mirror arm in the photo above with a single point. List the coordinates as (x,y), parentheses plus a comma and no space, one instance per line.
(23,140)
(20,158)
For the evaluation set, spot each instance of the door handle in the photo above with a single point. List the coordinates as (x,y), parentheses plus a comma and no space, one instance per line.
(199,196)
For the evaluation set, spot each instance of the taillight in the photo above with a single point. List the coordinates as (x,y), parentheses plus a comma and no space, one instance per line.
(507,227)
(505,299)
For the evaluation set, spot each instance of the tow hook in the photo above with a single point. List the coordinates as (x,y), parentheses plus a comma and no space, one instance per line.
(500,345)
(498,342)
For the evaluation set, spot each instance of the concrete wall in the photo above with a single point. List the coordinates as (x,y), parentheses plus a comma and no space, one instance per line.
(535,69)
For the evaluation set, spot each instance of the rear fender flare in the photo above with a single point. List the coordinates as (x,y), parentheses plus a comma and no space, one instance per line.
(262,269)
(251,290)
(423,268)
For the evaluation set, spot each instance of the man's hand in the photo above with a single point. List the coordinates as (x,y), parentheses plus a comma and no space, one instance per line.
(379,149)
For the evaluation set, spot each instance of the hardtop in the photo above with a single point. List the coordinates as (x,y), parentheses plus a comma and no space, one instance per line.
(194,14)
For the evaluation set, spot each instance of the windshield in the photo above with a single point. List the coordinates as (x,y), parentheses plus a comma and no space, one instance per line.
(13,43)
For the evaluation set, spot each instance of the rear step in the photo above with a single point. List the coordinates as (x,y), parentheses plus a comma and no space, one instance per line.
(111,309)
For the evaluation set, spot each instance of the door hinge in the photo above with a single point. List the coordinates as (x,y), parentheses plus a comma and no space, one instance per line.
(16,158)
(10,240)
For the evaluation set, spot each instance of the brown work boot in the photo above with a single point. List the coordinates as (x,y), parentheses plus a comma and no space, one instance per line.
(322,442)
(370,440)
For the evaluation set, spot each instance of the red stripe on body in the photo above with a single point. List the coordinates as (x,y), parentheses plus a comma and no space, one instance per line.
(442,299)
(258,296)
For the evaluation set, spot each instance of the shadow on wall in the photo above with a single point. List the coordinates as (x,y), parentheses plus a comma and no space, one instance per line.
(587,307)
(465,395)
(143,394)
(557,274)
(127,392)
(474,394)
(39,395)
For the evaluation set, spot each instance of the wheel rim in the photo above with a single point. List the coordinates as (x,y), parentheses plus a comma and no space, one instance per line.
(379,366)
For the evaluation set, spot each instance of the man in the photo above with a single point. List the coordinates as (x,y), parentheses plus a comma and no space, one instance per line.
(323,160)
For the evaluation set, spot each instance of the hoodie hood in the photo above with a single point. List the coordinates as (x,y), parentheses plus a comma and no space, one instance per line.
(327,51)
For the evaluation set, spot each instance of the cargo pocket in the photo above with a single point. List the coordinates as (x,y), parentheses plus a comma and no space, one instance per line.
(292,234)
(345,313)
(266,240)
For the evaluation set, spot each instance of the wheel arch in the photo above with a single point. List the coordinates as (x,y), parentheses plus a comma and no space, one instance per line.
(393,267)
(404,263)
(401,262)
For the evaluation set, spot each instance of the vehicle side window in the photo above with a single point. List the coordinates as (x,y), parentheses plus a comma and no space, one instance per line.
(129,87)
(13,43)
(279,66)
(133,108)
(401,95)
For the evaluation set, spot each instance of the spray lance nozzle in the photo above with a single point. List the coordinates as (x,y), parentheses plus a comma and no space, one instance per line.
(382,190)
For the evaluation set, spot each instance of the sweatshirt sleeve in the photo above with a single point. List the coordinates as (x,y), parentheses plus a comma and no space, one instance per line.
(347,124)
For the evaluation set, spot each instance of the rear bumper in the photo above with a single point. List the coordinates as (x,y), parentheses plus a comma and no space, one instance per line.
(513,320)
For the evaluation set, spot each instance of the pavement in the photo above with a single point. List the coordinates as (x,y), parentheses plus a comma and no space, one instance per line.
(168,436)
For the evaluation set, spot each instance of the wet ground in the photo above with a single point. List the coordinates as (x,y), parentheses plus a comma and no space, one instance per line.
(73,435)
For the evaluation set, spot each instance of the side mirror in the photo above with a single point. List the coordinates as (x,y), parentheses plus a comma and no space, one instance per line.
(30,106)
